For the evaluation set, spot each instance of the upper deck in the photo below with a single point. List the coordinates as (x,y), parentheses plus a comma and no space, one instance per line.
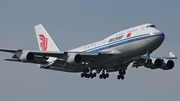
(133,31)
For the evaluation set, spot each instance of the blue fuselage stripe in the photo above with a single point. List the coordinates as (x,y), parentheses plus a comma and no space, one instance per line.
(123,41)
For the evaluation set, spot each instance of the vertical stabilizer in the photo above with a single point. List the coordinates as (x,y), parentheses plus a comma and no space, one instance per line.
(45,42)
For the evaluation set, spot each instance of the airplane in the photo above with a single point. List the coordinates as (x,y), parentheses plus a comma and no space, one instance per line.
(112,54)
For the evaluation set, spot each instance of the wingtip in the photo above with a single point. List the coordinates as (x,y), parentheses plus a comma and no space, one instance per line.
(171,54)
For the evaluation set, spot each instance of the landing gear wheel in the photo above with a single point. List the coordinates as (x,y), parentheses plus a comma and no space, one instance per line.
(94,74)
(120,71)
(118,77)
(122,77)
(100,76)
(104,76)
(91,75)
(82,75)
(123,72)
(88,75)
(107,75)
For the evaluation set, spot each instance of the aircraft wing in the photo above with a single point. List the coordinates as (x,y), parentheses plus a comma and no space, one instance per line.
(55,58)
(164,63)
(9,50)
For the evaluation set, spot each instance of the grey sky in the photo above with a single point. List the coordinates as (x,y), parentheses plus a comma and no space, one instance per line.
(77,22)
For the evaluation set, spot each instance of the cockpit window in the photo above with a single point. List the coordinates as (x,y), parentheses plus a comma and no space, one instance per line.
(151,26)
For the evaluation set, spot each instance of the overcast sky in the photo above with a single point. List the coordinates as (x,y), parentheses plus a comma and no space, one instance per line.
(72,23)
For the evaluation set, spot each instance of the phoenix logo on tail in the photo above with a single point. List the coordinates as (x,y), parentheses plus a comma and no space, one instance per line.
(44,42)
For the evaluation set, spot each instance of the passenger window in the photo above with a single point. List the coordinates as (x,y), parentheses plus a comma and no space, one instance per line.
(95,45)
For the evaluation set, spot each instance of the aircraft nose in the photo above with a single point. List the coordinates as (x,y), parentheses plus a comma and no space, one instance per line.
(163,35)
(160,34)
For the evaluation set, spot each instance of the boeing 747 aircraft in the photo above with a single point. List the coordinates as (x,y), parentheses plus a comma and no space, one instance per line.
(112,54)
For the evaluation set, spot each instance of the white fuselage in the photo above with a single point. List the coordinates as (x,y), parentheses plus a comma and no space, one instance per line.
(128,43)
(113,53)
(124,46)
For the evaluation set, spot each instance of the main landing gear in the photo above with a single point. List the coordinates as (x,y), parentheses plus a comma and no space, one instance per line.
(87,73)
(121,74)
(103,75)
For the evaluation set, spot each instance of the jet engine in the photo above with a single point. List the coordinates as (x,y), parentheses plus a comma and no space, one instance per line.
(167,64)
(26,57)
(73,58)
(154,63)
(164,64)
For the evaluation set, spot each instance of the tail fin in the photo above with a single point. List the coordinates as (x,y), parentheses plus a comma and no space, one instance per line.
(44,40)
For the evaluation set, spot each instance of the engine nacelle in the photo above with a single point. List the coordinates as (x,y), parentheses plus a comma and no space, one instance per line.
(27,57)
(155,63)
(164,64)
(74,58)
(167,64)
